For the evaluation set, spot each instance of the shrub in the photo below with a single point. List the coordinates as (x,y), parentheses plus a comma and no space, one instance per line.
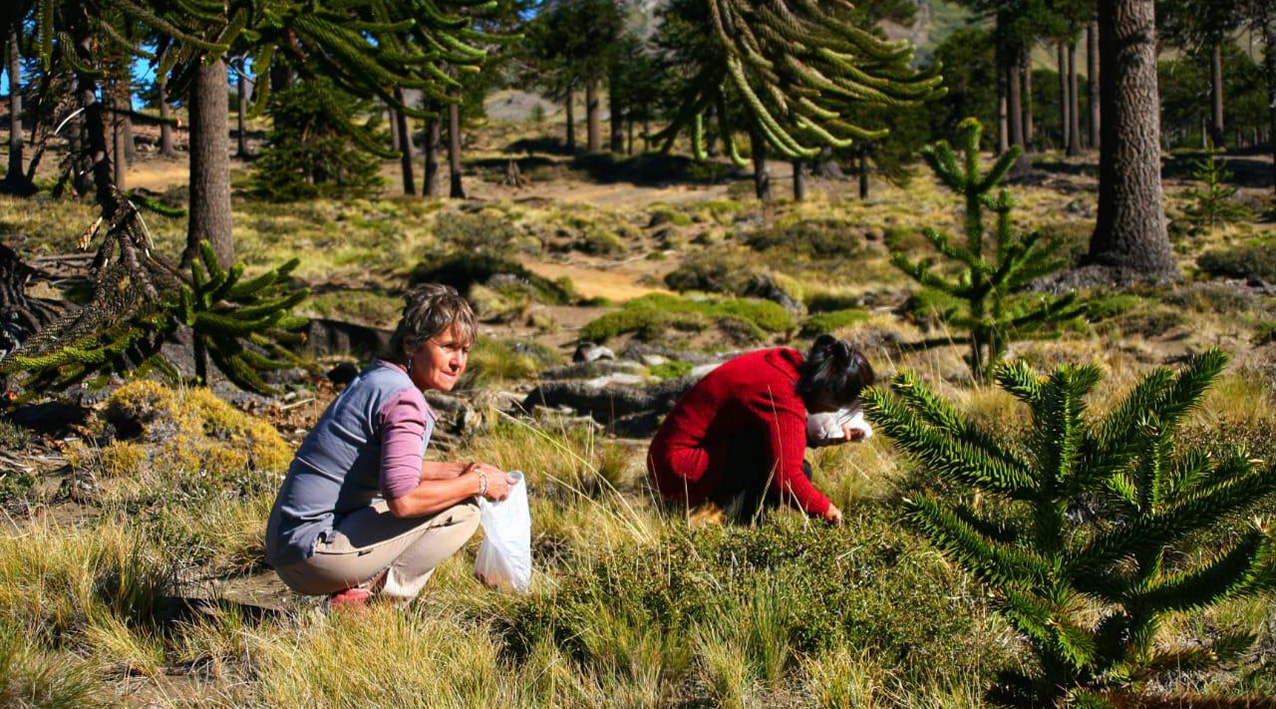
(462,271)
(1089,514)
(832,321)
(481,233)
(649,316)
(1255,258)
(820,238)
(1212,203)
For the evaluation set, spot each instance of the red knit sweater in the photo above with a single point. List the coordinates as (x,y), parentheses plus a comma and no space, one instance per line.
(752,394)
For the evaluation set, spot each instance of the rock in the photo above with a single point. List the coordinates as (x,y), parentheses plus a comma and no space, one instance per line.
(618,378)
(765,287)
(328,337)
(653,360)
(589,352)
(589,370)
(698,373)
(607,404)
(636,350)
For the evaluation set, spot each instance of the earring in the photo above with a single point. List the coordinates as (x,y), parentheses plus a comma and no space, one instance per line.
(409,367)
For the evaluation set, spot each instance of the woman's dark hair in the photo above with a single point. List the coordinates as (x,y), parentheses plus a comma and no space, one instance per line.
(834,367)
(430,309)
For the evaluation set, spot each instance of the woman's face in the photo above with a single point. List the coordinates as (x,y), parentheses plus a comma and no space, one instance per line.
(441,360)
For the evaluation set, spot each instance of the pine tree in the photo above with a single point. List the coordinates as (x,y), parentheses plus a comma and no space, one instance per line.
(1212,202)
(989,308)
(795,68)
(307,153)
(1108,513)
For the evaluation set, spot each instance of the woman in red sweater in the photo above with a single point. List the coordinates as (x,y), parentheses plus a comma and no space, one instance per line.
(738,437)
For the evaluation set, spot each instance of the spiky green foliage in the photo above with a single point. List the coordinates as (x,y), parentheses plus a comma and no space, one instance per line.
(795,67)
(307,154)
(244,327)
(1094,527)
(985,285)
(1212,204)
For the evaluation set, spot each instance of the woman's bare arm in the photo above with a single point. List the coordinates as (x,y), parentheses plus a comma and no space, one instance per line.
(439,470)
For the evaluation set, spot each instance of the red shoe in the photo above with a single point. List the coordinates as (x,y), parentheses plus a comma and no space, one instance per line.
(349,598)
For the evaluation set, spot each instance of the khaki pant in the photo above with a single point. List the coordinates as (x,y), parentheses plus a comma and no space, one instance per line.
(372,540)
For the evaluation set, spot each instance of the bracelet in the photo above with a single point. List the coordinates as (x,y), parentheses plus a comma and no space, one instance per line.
(482,483)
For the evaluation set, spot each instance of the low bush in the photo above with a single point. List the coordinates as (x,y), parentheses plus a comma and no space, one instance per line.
(1253,258)
(831,321)
(462,271)
(649,316)
(818,238)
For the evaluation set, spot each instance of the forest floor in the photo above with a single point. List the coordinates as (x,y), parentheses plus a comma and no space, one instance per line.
(130,566)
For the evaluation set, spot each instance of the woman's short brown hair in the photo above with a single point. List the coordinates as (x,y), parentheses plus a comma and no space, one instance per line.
(430,309)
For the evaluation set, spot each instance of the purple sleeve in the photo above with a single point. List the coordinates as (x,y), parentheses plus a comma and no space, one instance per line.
(402,432)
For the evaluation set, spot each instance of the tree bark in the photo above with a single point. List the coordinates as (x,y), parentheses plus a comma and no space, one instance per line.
(711,131)
(593,129)
(799,181)
(1029,130)
(241,93)
(124,97)
(617,122)
(1092,81)
(761,177)
(571,122)
(1269,68)
(1130,231)
(394,128)
(457,190)
(405,146)
(1014,97)
(1065,105)
(1003,128)
(432,135)
(863,170)
(209,214)
(15,175)
(1216,96)
(1074,103)
(166,117)
(119,153)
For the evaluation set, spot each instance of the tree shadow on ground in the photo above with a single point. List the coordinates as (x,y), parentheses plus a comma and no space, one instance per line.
(1251,169)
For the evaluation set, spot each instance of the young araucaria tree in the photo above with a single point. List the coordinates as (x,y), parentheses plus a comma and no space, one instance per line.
(990,308)
(1093,528)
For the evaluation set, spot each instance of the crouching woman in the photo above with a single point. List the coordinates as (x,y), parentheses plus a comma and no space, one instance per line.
(360,512)
(733,445)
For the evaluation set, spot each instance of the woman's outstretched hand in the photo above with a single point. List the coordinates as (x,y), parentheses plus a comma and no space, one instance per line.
(833,515)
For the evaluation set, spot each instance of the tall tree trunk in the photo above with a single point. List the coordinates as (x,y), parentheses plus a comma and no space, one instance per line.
(1003,102)
(124,102)
(571,122)
(394,128)
(119,153)
(711,131)
(863,170)
(1130,230)
(241,94)
(799,181)
(209,214)
(629,150)
(593,129)
(1029,130)
(97,162)
(1269,68)
(405,147)
(761,177)
(1014,97)
(616,120)
(432,133)
(15,177)
(457,190)
(1216,95)
(1065,105)
(1092,81)
(1074,103)
(166,118)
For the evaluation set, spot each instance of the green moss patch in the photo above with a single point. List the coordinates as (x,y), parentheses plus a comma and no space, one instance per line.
(650,316)
(832,321)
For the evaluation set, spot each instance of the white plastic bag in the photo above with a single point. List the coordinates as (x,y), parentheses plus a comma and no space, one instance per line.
(828,426)
(505,557)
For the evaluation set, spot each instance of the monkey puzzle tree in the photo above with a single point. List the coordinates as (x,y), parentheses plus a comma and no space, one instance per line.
(795,67)
(1094,528)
